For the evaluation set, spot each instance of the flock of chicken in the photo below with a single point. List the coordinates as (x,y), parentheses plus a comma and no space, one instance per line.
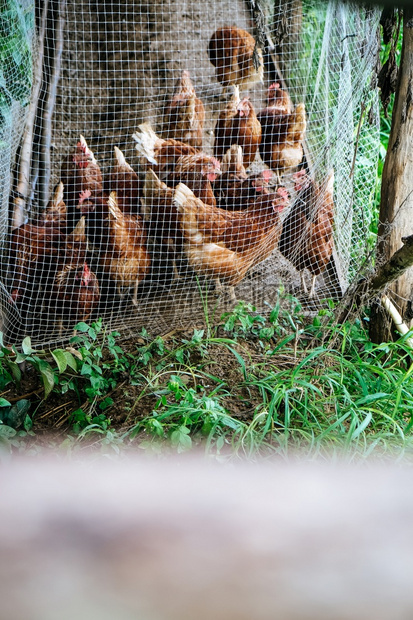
(190,208)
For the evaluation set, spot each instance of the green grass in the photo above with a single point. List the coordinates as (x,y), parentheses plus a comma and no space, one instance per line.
(291,390)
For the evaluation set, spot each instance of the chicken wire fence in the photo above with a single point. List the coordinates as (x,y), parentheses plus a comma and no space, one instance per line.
(274,185)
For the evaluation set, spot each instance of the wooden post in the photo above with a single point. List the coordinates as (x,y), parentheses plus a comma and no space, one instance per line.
(396,206)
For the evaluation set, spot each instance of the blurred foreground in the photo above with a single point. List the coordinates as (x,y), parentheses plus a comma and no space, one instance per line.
(190,540)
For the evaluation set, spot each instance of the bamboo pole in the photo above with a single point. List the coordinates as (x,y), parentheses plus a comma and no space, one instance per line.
(22,189)
(57,21)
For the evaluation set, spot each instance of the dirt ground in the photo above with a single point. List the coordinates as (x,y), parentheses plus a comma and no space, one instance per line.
(136,399)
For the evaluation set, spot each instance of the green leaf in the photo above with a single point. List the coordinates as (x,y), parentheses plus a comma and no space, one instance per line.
(15,371)
(47,375)
(198,335)
(4,403)
(60,359)
(28,424)
(6,433)
(220,443)
(107,402)
(154,427)
(371,398)
(17,414)
(20,357)
(82,327)
(362,427)
(64,359)
(86,370)
(91,333)
(27,346)
(180,356)
(70,360)
(240,361)
(180,438)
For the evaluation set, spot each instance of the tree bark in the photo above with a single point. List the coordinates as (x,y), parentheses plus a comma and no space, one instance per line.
(288,24)
(396,206)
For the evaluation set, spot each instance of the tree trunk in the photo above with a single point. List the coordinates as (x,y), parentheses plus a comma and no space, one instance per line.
(396,206)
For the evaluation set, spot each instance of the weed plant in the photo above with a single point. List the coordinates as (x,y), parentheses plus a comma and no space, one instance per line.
(302,389)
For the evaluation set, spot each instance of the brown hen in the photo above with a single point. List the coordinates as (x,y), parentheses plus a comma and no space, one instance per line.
(234,189)
(159,154)
(238,124)
(161,214)
(307,236)
(236,57)
(34,251)
(225,244)
(197,172)
(125,257)
(74,289)
(125,182)
(283,131)
(80,172)
(184,115)
(56,211)
(76,293)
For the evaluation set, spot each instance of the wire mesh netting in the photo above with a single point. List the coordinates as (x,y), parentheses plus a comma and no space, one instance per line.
(270,184)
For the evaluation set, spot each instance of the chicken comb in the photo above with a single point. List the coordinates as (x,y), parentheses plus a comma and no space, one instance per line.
(244,107)
(267,175)
(274,86)
(85,274)
(216,163)
(84,195)
(281,191)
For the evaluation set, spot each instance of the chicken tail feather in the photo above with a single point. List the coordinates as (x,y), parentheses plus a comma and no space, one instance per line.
(182,195)
(145,142)
(120,159)
(86,149)
(152,183)
(113,205)
(187,207)
(58,195)
(233,158)
(330,184)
